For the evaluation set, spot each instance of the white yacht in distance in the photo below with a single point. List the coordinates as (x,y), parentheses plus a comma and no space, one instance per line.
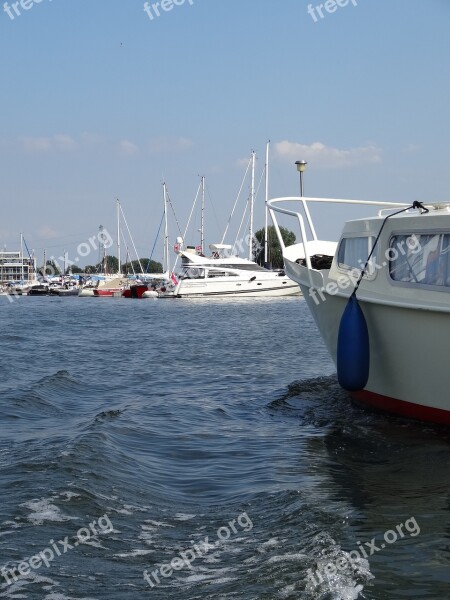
(381,300)
(224,275)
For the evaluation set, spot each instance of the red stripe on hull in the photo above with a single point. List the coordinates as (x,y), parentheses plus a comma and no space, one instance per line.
(405,409)
(107,293)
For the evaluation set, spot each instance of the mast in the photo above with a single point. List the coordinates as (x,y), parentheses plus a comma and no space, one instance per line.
(166,233)
(101,249)
(202,225)
(118,236)
(266,227)
(252,203)
(131,238)
(21,256)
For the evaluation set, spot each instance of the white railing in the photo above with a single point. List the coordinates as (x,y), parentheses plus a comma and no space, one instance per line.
(304,201)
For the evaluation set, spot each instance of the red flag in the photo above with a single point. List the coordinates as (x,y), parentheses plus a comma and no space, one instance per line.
(174,279)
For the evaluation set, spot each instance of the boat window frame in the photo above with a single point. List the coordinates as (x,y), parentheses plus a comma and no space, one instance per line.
(371,273)
(429,287)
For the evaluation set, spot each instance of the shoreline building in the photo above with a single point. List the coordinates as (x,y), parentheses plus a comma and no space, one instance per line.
(15,267)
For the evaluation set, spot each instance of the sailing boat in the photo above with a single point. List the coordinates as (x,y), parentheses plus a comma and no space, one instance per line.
(106,285)
(163,278)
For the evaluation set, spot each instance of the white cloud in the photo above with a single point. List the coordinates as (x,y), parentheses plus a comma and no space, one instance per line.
(128,148)
(322,156)
(36,144)
(92,141)
(63,142)
(242,163)
(46,144)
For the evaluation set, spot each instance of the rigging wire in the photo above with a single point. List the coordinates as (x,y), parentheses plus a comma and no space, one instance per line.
(154,244)
(236,201)
(173,210)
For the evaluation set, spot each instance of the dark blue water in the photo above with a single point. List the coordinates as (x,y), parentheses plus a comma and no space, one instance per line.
(207,446)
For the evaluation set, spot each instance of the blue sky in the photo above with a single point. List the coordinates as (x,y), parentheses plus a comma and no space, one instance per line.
(101,102)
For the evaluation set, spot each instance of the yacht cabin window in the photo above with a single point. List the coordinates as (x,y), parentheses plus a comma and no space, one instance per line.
(421,259)
(353,253)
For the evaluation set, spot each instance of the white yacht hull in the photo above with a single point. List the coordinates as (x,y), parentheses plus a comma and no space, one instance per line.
(85,292)
(236,286)
(150,294)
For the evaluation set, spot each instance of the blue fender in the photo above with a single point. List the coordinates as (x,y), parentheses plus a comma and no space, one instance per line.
(353,350)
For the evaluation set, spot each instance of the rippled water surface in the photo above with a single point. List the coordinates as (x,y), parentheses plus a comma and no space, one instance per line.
(208,446)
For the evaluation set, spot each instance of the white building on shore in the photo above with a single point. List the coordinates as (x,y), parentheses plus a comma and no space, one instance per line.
(15,267)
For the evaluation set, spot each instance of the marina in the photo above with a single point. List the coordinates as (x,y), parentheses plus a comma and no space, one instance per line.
(225,300)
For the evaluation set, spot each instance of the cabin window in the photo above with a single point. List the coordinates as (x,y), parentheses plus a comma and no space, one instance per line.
(353,253)
(421,259)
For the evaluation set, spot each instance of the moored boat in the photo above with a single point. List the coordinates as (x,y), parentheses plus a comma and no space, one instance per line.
(224,273)
(70,291)
(385,321)
(228,275)
(103,285)
(114,287)
(135,290)
(41,289)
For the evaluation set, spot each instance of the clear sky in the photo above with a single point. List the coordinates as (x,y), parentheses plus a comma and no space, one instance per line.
(102,100)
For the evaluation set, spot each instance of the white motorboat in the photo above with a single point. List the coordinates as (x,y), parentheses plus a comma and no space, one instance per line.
(385,321)
(222,275)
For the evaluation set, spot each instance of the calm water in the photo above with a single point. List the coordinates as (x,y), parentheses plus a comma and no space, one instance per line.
(213,436)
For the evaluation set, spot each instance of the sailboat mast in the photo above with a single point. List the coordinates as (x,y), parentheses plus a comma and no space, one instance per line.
(118,236)
(166,233)
(202,225)
(252,204)
(266,225)
(21,255)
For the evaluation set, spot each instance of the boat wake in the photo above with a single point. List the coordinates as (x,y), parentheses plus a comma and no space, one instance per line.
(319,401)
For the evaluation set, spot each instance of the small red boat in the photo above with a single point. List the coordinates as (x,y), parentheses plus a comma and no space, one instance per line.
(108,292)
(135,291)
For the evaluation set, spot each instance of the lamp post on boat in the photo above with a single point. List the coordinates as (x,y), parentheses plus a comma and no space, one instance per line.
(301,168)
